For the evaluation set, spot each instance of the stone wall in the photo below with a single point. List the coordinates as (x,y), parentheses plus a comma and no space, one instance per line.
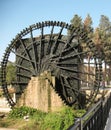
(4,105)
(40,94)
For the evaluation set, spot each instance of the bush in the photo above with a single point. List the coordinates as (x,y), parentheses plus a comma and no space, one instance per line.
(58,121)
(22,111)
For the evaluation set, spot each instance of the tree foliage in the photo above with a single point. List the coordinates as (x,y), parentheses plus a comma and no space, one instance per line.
(105,24)
(101,35)
(76,21)
(88,26)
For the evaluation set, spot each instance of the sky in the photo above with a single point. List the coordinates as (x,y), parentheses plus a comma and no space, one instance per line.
(16,15)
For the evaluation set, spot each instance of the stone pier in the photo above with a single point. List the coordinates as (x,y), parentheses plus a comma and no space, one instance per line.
(40,94)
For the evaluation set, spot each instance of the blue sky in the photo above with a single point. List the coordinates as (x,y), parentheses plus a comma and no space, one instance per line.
(15,15)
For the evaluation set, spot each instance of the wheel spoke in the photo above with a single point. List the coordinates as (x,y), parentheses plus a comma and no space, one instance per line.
(26,51)
(19,83)
(49,42)
(72,64)
(63,87)
(22,67)
(23,75)
(75,71)
(22,57)
(41,50)
(72,56)
(56,42)
(33,48)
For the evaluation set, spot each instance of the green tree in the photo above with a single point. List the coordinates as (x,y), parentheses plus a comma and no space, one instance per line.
(89,30)
(88,26)
(105,24)
(105,33)
(76,22)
